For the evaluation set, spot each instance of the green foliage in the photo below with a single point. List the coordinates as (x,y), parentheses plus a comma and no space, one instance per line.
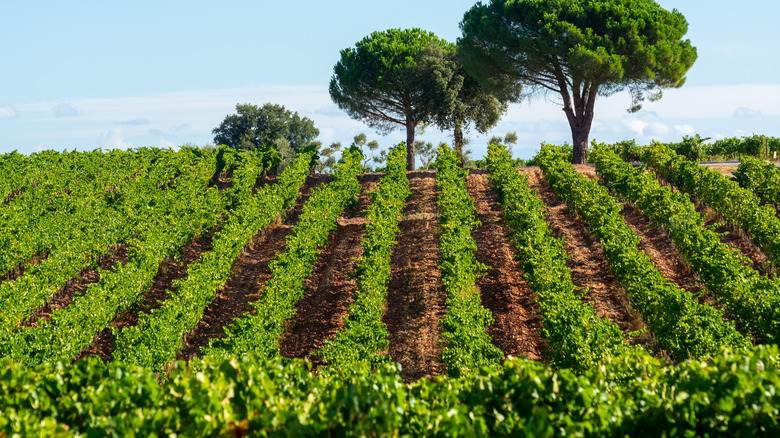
(468,346)
(754,146)
(427,153)
(255,127)
(364,336)
(457,98)
(578,49)
(564,149)
(627,150)
(692,148)
(72,210)
(382,82)
(751,300)
(329,155)
(736,204)
(683,327)
(168,218)
(732,395)
(634,45)
(507,140)
(258,333)
(369,155)
(383,66)
(760,177)
(312,151)
(577,337)
(156,339)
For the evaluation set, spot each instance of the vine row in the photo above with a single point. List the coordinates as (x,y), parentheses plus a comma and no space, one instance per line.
(259,332)
(360,343)
(577,337)
(468,345)
(156,339)
(683,327)
(736,204)
(733,394)
(761,177)
(752,300)
(98,221)
(182,212)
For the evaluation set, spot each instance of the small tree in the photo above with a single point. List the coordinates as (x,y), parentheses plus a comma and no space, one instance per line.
(328,157)
(578,49)
(380,159)
(380,82)
(285,153)
(507,140)
(427,154)
(361,141)
(458,98)
(253,127)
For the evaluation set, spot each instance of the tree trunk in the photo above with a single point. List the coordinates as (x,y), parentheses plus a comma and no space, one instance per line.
(580,144)
(410,150)
(579,112)
(578,107)
(458,134)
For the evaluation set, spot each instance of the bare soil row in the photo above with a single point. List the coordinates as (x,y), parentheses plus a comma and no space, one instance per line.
(416,298)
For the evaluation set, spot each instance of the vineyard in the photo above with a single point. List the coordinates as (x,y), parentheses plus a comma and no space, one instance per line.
(160,293)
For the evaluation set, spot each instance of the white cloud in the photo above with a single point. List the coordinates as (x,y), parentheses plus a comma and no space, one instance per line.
(635,125)
(657,129)
(746,113)
(8,112)
(717,101)
(114,139)
(683,130)
(65,109)
(166,144)
(179,127)
(646,115)
(190,116)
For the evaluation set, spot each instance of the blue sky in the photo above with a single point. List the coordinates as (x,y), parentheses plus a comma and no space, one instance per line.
(161,73)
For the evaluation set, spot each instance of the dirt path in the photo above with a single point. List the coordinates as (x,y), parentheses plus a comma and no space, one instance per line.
(589,267)
(76,286)
(329,290)
(517,327)
(103,343)
(18,271)
(250,272)
(657,244)
(416,300)
(735,238)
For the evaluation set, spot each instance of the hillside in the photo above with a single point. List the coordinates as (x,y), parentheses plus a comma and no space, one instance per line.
(201,250)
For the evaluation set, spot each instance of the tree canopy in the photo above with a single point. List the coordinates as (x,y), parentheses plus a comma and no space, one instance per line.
(254,127)
(578,49)
(458,100)
(380,81)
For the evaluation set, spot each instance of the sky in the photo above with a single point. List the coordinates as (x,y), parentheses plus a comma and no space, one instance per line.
(120,74)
